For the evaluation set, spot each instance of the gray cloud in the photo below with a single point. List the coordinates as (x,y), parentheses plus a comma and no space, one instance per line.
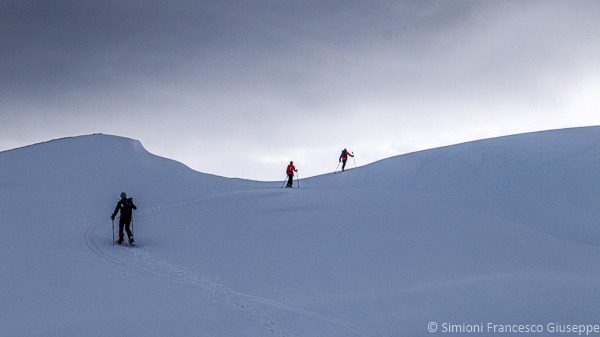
(261,82)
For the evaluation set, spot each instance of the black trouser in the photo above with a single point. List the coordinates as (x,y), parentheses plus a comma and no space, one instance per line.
(290,180)
(125,222)
(343,164)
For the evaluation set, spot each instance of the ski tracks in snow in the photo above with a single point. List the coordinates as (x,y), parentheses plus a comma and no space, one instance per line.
(158,268)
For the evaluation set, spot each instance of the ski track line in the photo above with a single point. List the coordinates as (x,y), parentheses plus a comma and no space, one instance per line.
(182,275)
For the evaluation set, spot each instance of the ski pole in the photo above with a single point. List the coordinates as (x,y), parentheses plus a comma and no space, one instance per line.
(113,227)
(338,165)
(298,179)
(286,178)
(354,160)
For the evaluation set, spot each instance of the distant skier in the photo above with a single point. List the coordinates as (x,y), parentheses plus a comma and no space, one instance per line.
(126,206)
(290,172)
(344,158)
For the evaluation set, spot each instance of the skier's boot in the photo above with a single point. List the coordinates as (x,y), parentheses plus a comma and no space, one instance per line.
(120,241)
(131,241)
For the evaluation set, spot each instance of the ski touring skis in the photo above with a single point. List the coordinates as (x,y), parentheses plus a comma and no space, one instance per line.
(125,243)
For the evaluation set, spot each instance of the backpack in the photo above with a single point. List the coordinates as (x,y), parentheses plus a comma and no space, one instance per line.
(126,206)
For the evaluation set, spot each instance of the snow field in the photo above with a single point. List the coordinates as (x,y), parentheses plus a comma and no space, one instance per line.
(501,230)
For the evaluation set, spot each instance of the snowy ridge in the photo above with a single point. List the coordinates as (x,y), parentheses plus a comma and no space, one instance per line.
(502,230)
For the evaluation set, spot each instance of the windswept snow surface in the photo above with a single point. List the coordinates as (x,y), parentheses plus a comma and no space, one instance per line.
(501,231)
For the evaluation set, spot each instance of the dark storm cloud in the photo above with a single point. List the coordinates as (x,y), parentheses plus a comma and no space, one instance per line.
(51,46)
(59,45)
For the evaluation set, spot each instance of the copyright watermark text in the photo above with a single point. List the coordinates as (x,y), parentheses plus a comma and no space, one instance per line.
(488,328)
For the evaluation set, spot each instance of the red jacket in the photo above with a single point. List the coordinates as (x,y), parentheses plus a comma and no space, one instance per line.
(345,154)
(291,169)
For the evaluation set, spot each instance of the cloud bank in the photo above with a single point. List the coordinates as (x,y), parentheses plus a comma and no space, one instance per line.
(240,88)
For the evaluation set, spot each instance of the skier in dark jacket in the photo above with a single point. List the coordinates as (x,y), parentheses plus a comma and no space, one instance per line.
(126,206)
(290,172)
(344,157)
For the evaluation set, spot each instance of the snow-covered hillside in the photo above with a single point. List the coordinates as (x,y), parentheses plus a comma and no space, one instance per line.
(501,231)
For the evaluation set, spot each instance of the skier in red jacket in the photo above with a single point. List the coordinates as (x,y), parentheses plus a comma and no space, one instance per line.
(344,157)
(290,172)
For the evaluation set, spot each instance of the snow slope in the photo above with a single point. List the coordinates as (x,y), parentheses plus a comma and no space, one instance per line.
(502,230)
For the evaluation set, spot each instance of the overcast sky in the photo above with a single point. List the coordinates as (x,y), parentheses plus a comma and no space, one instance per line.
(240,88)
